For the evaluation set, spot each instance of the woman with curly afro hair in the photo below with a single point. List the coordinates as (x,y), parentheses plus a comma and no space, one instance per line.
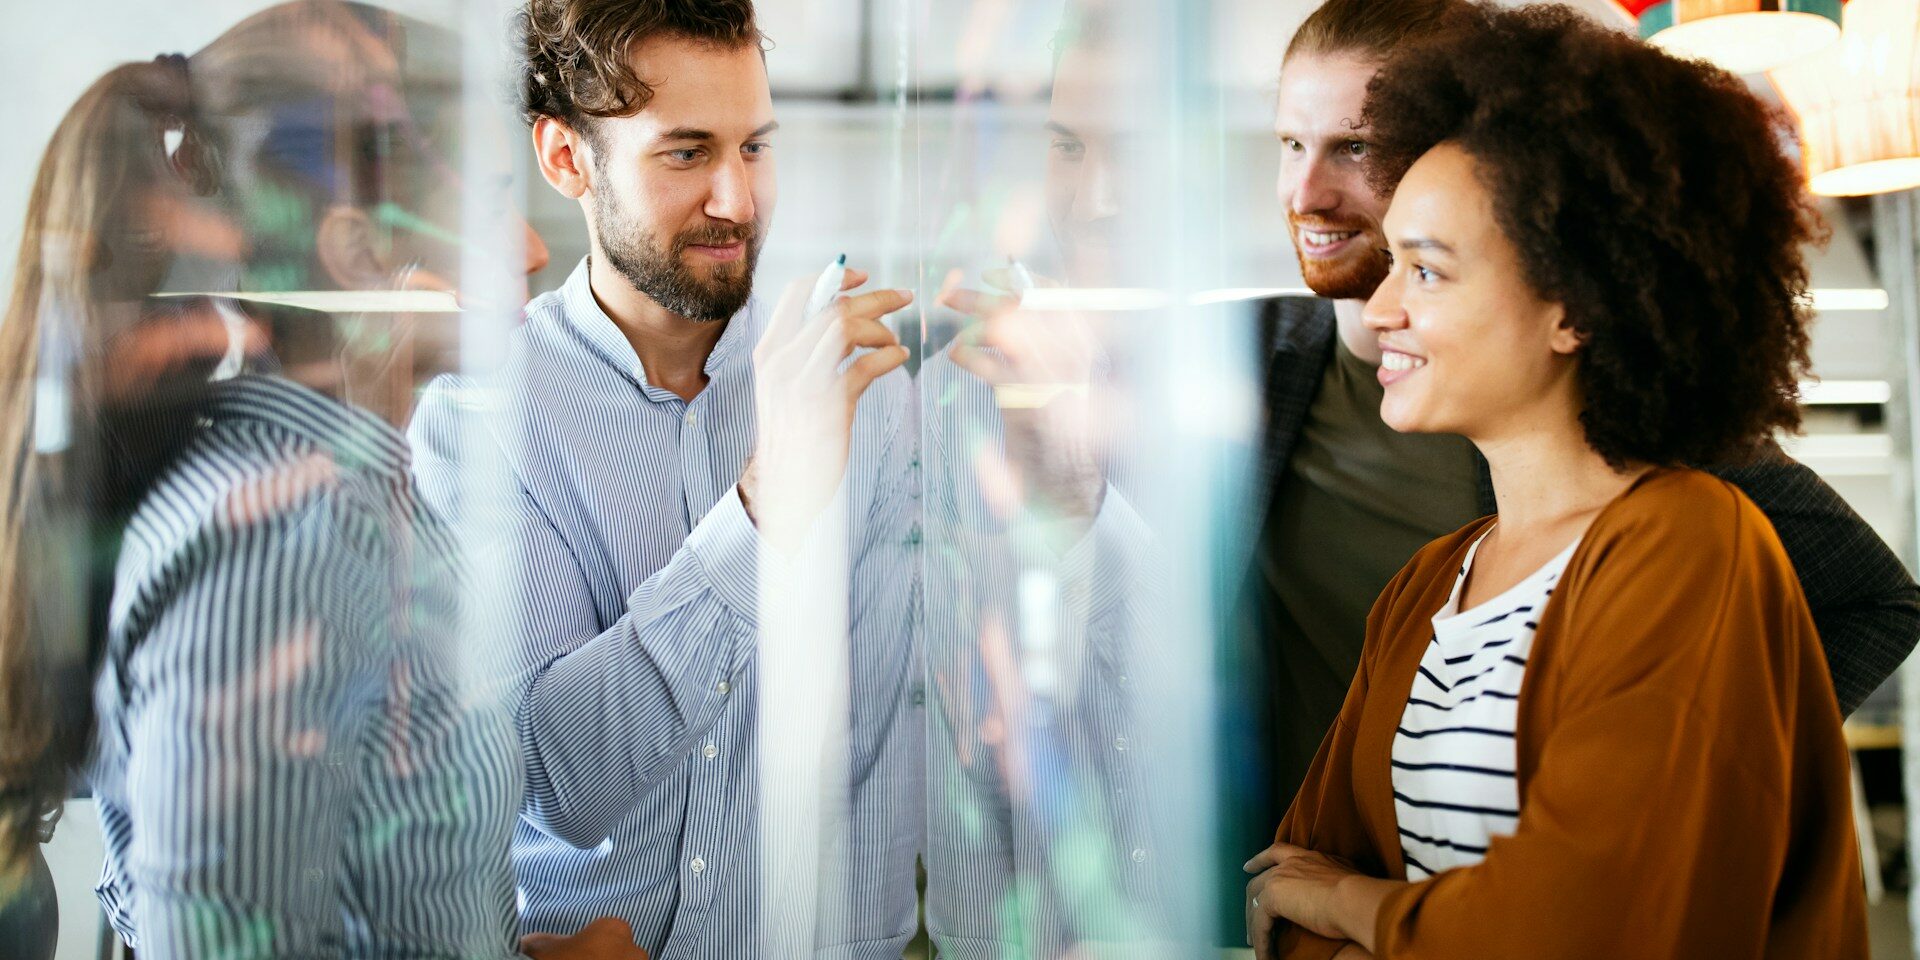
(1598,723)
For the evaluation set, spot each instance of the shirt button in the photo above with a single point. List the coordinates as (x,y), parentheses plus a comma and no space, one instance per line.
(690,419)
(724,687)
(1120,744)
(709,751)
(1139,855)
(698,865)
(1123,679)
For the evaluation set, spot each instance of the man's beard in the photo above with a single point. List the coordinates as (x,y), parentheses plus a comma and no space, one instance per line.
(1354,275)
(665,277)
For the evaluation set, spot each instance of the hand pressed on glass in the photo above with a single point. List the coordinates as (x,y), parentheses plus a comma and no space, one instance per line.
(1041,366)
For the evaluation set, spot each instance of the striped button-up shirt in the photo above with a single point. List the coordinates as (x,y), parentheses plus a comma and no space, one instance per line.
(637,625)
(291,759)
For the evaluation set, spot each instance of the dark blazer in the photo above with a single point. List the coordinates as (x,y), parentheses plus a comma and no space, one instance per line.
(1866,605)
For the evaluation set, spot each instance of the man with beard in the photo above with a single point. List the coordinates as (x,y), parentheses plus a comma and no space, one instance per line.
(1345,501)
(637,427)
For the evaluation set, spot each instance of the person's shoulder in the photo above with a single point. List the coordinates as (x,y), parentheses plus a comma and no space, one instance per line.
(546,305)
(453,412)
(256,513)
(543,327)
(1683,517)
(1681,554)
(1297,306)
(1678,503)
(1295,320)
(449,399)
(254,482)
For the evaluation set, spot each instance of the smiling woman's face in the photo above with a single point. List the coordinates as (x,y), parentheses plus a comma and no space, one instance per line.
(1468,346)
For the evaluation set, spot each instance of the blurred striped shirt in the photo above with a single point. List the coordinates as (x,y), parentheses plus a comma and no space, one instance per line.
(636,621)
(288,760)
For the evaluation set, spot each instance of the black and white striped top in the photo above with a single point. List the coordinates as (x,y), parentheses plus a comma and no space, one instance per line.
(1453,756)
(294,755)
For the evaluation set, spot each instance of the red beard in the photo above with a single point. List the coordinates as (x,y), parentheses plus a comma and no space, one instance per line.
(1354,274)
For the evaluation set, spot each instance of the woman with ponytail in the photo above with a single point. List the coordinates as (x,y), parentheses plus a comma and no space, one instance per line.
(222,608)
(74,334)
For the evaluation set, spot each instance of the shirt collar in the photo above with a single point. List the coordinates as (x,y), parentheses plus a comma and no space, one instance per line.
(353,436)
(603,336)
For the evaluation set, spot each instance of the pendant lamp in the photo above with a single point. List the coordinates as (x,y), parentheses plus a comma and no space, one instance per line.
(1739,36)
(1858,102)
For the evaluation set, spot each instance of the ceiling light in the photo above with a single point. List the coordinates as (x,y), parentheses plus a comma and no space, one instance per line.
(1739,36)
(1858,103)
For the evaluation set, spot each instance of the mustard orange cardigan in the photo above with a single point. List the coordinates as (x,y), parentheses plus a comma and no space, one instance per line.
(1683,780)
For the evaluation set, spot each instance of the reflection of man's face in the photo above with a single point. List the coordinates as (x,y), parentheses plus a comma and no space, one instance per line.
(384,154)
(683,190)
(1332,214)
(1086,167)
(467,197)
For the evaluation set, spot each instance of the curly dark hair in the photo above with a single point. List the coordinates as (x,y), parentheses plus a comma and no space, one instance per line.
(574,54)
(1646,194)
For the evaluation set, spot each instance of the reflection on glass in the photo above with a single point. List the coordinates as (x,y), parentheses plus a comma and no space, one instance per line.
(1064,818)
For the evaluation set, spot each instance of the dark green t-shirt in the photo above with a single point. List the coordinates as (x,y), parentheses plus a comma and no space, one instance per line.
(1356,501)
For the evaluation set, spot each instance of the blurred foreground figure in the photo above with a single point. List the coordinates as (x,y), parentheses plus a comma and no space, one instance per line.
(292,754)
